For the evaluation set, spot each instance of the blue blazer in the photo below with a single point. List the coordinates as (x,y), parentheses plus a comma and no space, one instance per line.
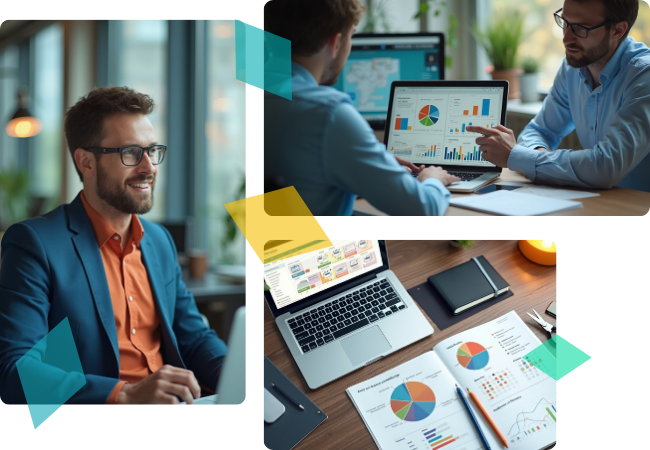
(52,269)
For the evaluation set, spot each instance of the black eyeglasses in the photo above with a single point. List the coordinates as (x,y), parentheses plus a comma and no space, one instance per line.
(132,154)
(578,30)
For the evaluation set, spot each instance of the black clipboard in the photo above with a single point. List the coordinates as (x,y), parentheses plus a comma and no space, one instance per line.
(292,426)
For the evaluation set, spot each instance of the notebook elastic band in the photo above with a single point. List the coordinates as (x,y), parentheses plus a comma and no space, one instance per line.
(487,277)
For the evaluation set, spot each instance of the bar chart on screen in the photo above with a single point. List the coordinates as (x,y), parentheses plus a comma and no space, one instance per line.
(462,150)
(473,106)
(458,127)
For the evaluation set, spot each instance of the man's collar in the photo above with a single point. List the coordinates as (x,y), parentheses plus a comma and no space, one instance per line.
(103,231)
(301,74)
(613,66)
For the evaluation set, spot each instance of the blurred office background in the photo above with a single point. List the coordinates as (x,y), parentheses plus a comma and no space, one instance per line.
(188,67)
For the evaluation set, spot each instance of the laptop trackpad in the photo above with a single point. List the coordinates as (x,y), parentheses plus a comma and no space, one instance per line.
(364,346)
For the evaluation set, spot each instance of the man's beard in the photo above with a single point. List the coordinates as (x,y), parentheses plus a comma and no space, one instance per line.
(331,73)
(120,199)
(590,56)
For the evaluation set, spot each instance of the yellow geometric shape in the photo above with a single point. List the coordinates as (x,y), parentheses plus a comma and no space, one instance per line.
(280,216)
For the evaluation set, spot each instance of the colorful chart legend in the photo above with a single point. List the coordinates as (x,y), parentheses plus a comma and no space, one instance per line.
(412,401)
(429,115)
(472,356)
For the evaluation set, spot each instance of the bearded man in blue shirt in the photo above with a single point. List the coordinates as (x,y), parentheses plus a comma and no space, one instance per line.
(602,91)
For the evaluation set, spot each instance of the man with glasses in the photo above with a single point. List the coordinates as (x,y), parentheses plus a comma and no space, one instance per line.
(114,276)
(603,91)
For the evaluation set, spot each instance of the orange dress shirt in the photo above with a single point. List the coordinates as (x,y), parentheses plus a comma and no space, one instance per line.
(136,318)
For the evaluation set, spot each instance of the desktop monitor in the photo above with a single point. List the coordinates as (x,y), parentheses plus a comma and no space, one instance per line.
(376,60)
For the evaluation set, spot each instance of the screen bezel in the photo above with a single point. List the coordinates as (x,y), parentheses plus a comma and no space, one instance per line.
(380,124)
(330,292)
(450,84)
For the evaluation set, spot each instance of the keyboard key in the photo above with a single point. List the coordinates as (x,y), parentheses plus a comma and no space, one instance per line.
(332,328)
(354,312)
(321,319)
(302,335)
(313,330)
(328,338)
(355,292)
(320,342)
(347,322)
(374,303)
(298,330)
(375,309)
(376,284)
(348,296)
(360,316)
(368,313)
(328,317)
(382,306)
(390,296)
(312,345)
(351,328)
(373,318)
(328,310)
(292,320)
(326,324)
(388,313)
(339,325)
(376,289)
(389,290)
(376,296)
(363,301)
(392,302)
(319,335)
(381,315)
(306,341)
(320,328)
(321,307)
(393,308)
(307,326)
(355,319)
(300,322)
(402,306)
(293,325)
(305,348)
(382,293)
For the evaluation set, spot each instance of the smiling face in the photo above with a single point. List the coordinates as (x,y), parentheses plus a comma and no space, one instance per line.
(581,52)
(128,189)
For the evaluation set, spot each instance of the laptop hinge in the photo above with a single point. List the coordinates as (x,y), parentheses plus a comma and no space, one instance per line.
(332,293)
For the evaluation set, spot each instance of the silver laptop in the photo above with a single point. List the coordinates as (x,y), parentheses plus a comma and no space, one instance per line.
(427,120)
(231,387)
(339,308)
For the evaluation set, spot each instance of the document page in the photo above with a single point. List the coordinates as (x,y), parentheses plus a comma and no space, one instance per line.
(416,407)
(519,397)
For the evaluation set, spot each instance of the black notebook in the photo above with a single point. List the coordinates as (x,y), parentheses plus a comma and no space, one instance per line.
(469,284)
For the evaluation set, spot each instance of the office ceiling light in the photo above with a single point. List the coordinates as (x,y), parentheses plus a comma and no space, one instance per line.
(23,124)
(540,252)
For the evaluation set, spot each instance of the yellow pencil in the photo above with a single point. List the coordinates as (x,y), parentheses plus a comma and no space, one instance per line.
(488,418)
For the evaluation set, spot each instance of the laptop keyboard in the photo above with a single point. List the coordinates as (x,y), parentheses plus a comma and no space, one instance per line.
(345,314)
(464,176)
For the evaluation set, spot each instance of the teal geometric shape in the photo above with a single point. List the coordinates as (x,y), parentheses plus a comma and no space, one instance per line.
(51,373)
(556,357)
(263,59)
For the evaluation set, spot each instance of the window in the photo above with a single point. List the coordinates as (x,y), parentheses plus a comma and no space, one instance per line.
(9,84)
(140,49)
(45,153)
(544,41)
(225,144)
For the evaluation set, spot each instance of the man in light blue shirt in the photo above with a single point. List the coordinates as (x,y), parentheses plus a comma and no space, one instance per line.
(317,141)
(603,91)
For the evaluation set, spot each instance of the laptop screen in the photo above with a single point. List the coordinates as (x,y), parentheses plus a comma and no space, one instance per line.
(376,61)
(297,278)
(427,124)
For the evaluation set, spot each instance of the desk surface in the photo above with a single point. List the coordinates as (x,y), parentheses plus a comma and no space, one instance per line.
(413,262)
(612,202)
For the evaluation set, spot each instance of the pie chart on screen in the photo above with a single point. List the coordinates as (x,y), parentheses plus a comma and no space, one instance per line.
(472,356)
(412,401)
(429,115)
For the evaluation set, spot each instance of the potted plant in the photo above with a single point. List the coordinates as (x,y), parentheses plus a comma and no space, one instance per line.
(529,80)
(462,244)
(500,40)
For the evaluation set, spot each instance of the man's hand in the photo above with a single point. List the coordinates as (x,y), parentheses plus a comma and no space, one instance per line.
(439,174)
(164,386)
(410,167)
(496,143)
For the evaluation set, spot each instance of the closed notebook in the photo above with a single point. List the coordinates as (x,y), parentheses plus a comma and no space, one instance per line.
(465,286)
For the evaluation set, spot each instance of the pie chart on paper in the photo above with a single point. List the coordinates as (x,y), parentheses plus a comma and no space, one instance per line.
(429,115)
(472,356)
(412,401)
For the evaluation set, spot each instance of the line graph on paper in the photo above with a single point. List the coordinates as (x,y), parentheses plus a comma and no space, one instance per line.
(528,423)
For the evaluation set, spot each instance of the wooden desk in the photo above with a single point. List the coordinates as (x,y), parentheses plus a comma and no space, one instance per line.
(612,202)
(413,262)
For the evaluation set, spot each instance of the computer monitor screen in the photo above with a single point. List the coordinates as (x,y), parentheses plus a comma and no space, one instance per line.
(376,60)
(295,278)
(428,124)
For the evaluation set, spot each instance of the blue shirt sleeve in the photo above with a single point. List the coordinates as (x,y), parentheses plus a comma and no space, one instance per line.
(355,161)
(625,144)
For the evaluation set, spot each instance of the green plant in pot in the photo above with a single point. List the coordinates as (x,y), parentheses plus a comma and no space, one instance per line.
(501,39)
(462,244)
(529,80)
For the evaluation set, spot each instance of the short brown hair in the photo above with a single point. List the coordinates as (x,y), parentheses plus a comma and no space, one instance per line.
(309,23)
(84,122)
(619,11)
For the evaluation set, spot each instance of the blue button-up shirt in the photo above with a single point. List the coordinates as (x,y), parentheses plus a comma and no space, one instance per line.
(612,122)
(319,143)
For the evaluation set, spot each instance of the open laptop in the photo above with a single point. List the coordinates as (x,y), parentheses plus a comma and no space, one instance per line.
(378,59)
(231,387)
(427,121)
(339,308)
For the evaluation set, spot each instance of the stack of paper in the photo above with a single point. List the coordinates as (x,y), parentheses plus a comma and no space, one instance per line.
(513,203)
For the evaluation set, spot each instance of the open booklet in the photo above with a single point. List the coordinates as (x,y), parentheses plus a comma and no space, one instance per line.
(415,406)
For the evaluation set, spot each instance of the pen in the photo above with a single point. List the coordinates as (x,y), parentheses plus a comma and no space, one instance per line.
(471,413)
(488,418)
(287,396)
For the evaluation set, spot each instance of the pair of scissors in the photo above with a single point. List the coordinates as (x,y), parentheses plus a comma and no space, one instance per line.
(544,324)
